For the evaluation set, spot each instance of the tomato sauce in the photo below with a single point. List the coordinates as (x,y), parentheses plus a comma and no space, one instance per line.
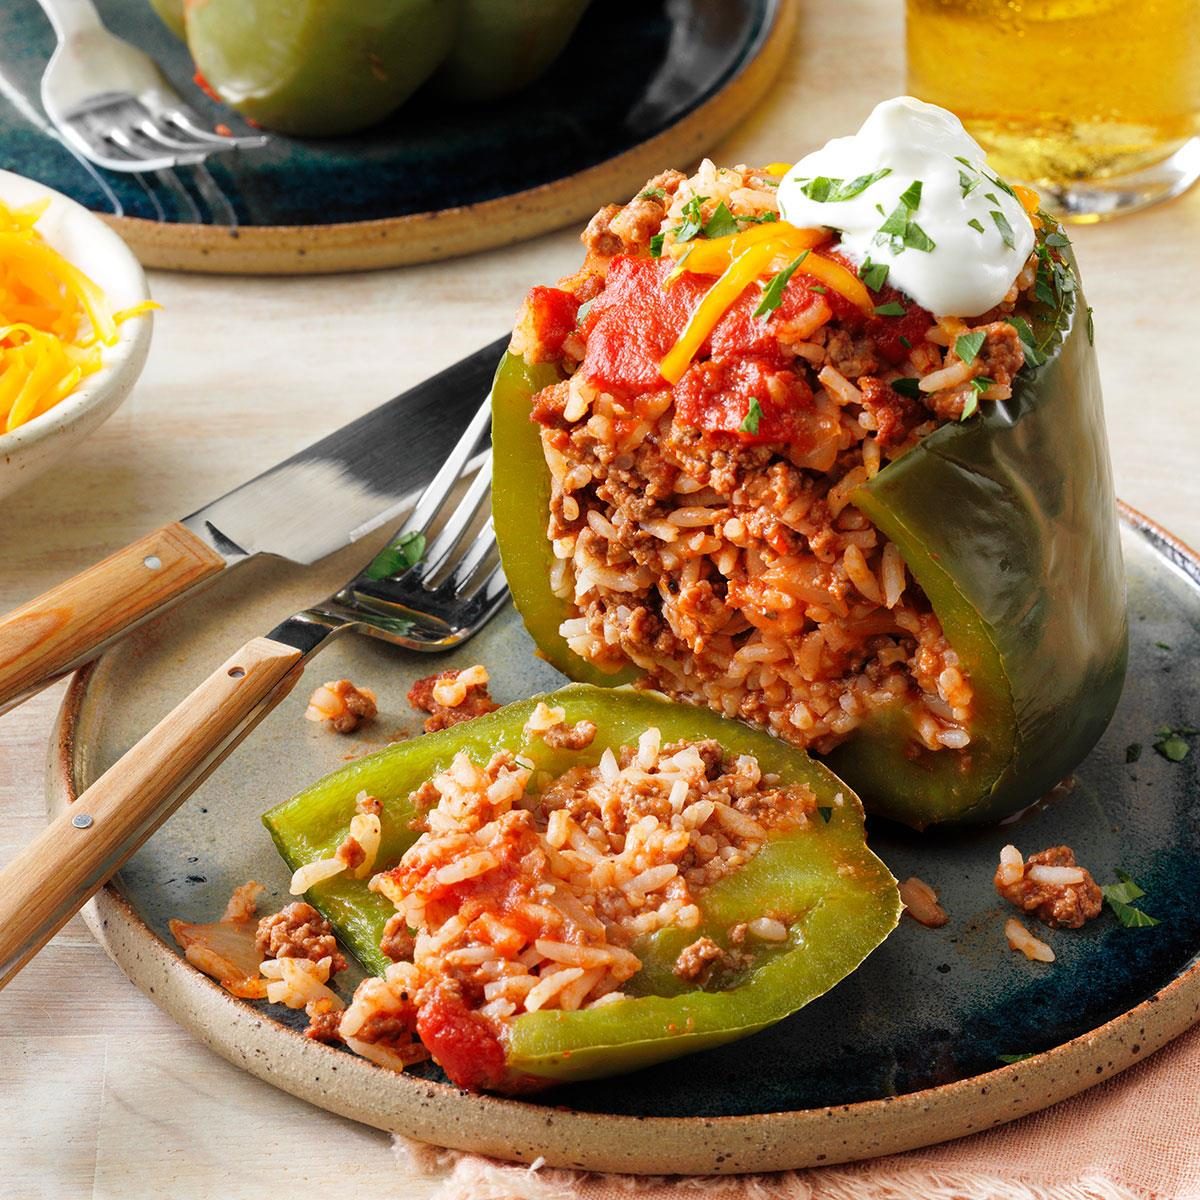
(462,1042)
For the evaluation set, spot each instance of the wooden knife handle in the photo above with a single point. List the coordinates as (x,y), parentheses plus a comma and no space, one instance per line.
(67,625)
(52,878)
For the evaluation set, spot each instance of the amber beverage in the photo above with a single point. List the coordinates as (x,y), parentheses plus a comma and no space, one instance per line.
(1095,101)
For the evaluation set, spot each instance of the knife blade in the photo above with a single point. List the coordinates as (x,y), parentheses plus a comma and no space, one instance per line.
(341,488)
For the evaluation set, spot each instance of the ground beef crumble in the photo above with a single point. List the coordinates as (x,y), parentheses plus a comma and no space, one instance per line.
(397,942)
(341,706)
(475,700)
(299,931)
(564,736)
(1061,906)
(323,1027)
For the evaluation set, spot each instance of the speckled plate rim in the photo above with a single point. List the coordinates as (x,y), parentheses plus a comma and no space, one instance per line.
(508,1129)
(450,232)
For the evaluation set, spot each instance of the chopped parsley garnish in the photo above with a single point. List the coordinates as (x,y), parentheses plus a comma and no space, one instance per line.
(966,184)
(893,308)
(1133,752)
(873,274)
(826,812)
(772,295)
(1091,327)
(976,223)
(753,416)
(899,231)
(721,223)
(1006,230)
(406,551)
(652,194)
(1172,744)
(583,310)
(907,387)
(1034,356)
(656,245)
(824,190)
(693,219)
(967,346)
(766,218)
(979,385)
(1162,645)
(1120,898)
(818,287)
(905,342)
(1013,1058)
(992,197)
(1057,239)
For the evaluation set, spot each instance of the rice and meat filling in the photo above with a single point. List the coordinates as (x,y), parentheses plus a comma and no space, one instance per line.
(703,531)
(527,892)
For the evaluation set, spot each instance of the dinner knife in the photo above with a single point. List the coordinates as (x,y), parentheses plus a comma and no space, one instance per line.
(350,483)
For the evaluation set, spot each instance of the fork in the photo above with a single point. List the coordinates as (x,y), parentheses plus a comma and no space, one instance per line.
(111,103)
(432,605)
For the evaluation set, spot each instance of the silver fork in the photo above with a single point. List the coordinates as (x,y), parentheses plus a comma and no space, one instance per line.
(432,605)
(111,103)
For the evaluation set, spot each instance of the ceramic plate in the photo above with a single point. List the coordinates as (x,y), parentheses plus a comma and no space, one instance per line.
(661,81)
(906,1052)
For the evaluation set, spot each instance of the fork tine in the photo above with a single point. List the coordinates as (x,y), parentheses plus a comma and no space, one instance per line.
(480,552)
(459,521)
(495,587)
(152,131)
(149,159)
(442,484)
(188,121)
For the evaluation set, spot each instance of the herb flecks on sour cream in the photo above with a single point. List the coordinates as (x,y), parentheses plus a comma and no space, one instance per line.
(911,192)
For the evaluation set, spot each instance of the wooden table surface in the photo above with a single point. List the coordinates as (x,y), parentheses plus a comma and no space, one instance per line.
(104,1095)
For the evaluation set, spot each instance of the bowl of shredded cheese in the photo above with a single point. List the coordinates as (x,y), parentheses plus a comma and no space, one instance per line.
(74,326)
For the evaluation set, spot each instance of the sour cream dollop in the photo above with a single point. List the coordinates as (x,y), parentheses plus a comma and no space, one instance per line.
(952,238)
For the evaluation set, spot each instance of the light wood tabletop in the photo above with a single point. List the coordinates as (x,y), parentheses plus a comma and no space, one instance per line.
(103,1094)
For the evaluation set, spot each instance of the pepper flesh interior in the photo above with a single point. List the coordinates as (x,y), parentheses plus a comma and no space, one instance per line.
(812,874)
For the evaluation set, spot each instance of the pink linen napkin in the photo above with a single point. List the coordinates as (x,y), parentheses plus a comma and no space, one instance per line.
(1136,1137)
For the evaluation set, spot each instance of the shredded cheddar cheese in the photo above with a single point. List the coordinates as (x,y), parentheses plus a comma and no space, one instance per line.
(54,321)
(739,259)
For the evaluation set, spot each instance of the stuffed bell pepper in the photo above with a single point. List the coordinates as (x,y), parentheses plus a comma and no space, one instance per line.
(317,68)
(583,884)
(821,447)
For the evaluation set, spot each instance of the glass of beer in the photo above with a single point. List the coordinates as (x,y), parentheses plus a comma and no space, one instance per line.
(1094,102)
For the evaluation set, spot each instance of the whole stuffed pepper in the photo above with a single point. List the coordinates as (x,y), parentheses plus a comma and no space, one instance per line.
(583,884)
(323,67)
(822,447)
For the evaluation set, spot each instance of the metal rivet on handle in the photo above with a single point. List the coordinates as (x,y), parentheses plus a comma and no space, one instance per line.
(83,820)
(152,562)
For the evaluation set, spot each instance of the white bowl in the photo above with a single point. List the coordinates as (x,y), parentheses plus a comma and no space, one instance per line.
(89,244)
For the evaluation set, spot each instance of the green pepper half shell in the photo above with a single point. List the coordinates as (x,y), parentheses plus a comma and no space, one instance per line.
(323,67)
(843,899)
(1006,520)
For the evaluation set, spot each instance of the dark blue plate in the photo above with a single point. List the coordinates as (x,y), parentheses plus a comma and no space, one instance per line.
(910,1049)
(634,69)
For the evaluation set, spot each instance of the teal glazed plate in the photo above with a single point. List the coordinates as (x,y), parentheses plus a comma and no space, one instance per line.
(643,83)
(912,1049)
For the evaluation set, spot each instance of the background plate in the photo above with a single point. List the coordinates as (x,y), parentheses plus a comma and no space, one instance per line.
(641,84)
(905,1052)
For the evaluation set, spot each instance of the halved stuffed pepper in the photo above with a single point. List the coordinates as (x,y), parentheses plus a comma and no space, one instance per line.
(822,448)
(583,884)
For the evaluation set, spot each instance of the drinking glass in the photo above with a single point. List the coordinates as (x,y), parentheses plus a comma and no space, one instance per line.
(1094,102)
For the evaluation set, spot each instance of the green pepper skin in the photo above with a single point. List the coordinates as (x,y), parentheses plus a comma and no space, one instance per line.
(845,900)
(1007,520)
(320,68)
(172,16)
(504,45)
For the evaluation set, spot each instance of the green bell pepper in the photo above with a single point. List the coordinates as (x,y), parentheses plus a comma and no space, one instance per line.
(324,67)
(1006,520)
(843,898)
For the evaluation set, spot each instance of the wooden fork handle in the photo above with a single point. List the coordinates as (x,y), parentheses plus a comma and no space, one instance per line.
(72,622)
(52,878)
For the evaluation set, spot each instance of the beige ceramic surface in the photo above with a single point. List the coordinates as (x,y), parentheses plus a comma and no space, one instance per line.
(243,374)
(449,232)
(108,707)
